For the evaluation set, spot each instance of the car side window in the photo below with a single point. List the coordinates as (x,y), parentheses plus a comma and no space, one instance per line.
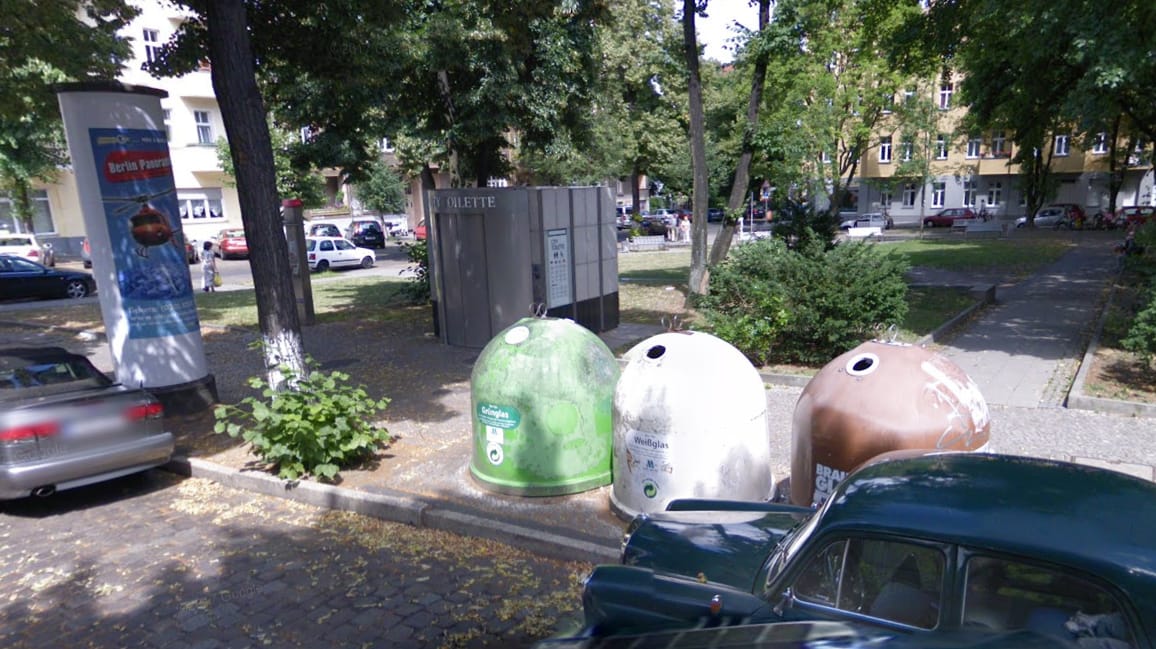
(1007,595)
(343,245)
(327,245)
(884,579)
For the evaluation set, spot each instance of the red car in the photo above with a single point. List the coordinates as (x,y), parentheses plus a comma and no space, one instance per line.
(1135,215)
(946,218)
(231,243)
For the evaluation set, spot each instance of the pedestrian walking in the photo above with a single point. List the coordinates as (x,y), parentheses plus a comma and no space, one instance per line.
(210,280)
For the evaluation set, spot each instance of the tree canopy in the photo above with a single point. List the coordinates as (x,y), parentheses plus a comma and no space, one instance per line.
(43,43)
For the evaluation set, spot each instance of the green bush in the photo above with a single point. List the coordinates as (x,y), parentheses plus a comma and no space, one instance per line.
(1141,337)
(805,305)
(317,427)
(417,290)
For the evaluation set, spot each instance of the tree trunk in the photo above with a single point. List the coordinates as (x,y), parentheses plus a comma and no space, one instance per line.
(243,113)
(22,204)
(722,242)
(698,271)
(635,196)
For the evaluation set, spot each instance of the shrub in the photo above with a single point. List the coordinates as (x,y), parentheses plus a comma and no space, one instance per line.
(1141,337)
(317,427)
(417,290)
(805,305)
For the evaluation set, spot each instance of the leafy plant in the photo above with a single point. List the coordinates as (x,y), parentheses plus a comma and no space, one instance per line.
(418,289)
(805,305)
(317,427)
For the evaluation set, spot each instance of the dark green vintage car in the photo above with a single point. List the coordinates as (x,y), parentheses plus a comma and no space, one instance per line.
(941,543)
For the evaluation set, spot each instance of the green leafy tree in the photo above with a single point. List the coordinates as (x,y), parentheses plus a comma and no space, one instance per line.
(835,85)
(43,43)
(382,190)
(1039,65)
(292,182)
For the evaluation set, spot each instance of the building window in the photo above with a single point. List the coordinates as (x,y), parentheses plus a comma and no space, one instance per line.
(885,149)
(937,192)
(204,127)
(825,157)
(199,205)
(885,199)
(974,143)
(908,95)
(152,44)
(941,147)
(1100,144)
(41,214)
(945,90)
(494,181)
(1062,145)
(387,145)
(969,193)
(909,195)
(888,104)
(906,149)
(994,194)
(998,142)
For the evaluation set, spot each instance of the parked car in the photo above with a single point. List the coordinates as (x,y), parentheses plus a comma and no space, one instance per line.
(624,217)
(231,244)
(946,218)
(669,218)
(324,253)
(324,230)
(938,543)
(64,424)
(367,234)
(715,214)
(20,278)
(192,255)
(1135,215)
(28,247)
(869,220)
(1059,215)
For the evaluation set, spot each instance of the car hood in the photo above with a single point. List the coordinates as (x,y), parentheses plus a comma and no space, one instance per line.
(725,545)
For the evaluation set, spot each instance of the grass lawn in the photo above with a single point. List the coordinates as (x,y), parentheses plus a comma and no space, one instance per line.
(1015,258)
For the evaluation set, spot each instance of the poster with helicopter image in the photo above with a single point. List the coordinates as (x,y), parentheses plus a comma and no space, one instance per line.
(134,169)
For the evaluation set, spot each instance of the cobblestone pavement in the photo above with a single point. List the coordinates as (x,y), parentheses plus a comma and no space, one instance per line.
(158,561)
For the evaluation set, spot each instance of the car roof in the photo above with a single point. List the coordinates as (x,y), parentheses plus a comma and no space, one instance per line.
(1099,521)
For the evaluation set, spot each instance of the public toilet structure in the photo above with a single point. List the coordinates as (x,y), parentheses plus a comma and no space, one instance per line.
(496,255)
(690,421)
(541,394)
(878,398)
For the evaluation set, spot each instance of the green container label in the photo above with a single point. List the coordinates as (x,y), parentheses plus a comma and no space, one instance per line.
(498,416)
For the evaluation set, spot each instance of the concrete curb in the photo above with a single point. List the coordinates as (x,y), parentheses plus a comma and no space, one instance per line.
(1077,400)
(86,334)
(399,507)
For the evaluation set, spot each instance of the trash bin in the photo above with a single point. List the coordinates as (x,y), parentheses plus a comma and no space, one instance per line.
(877,398)
(541,394)
(690,421)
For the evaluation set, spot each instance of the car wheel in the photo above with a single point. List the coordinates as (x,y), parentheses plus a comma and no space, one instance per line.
(76,289)
(367,262)
(322,266)
(929,224)
(88,264)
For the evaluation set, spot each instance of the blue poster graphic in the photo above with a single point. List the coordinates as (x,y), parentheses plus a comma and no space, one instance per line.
(134,170)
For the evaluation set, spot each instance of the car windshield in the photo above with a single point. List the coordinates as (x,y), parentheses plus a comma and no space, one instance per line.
(788,547)
(310,245)
(15,241)
(233,234)
(36,372)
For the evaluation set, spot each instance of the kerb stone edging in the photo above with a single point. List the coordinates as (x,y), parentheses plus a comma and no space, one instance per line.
(1079,401)
(399,508)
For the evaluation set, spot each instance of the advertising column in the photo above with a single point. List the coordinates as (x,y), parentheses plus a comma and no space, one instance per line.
(120,155)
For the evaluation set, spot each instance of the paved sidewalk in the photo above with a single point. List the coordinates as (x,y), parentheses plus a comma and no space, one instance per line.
(1025,350)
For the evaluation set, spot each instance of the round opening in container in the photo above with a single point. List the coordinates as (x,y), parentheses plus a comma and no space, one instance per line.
(862,365)
(517,335)
(656,352)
